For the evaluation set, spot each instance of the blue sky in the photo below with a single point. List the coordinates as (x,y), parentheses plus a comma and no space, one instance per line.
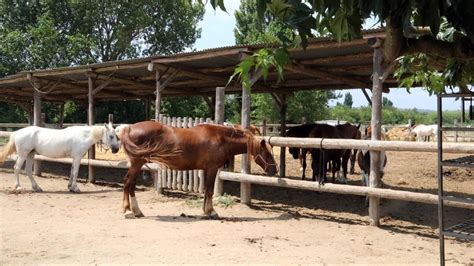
(217,31)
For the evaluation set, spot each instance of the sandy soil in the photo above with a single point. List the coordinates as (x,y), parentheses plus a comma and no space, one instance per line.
(282,225)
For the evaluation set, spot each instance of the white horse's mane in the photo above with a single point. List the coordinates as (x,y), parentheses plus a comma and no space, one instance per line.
(97,132)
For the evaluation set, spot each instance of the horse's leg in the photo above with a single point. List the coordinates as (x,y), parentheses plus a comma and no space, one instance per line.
(131,210)
(314,163)
(29,172)
(323,168)
(303,160)
(352,156)
(72,185)
(210,177)
(18,165)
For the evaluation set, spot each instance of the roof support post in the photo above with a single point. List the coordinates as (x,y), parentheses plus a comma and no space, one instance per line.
(90,122)
(283,108)
(37,101)
(158,95)
(281,100)
(245,187)
(375,171)
(219,119)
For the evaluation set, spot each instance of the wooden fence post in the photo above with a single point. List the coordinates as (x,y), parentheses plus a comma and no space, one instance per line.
(219,119)
(90,122)
(37,122)
(375,171)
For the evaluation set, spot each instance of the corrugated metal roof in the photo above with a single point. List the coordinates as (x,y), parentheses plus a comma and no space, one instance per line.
(324,64)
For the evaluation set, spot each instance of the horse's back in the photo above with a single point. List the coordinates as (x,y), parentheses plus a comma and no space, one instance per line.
(49,142)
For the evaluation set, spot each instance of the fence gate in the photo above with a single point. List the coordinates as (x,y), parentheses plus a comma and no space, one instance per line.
(181,180)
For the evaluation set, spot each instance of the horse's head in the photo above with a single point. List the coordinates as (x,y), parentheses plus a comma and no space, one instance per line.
(263,156)
(109,138)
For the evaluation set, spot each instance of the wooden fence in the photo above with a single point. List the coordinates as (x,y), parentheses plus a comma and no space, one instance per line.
(464,148)
(186,180)
(453,136)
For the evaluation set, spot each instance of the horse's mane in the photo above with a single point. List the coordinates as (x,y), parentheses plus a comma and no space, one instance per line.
(97,132)
(299,131)
(158,151)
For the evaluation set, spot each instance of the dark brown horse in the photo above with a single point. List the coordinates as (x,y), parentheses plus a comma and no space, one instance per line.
(349,131)
(321,157)
(301,131)
(205,147)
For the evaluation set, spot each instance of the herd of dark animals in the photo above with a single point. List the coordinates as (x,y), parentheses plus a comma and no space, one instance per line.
(324,160)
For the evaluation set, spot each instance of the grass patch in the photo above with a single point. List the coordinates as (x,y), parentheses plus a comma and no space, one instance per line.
(225,201)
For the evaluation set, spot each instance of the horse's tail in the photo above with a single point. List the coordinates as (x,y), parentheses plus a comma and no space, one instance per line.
(9,149)
(158,152)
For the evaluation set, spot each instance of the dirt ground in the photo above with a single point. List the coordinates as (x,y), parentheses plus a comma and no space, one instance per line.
(281,226)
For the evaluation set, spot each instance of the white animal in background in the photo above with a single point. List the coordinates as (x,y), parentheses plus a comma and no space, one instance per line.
(56,143)
(423,132)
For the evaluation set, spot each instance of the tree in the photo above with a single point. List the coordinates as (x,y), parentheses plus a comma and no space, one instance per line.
(312,105)
(38,34)
(348,100)
(386,102)
(426,32)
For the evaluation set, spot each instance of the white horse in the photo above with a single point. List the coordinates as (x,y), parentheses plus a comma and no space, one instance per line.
(422,131)
(57,143)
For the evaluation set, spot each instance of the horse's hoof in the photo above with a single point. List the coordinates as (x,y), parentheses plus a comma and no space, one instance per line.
(212,215)
(18,188)
(38,190)
(139,215)
(74,190)
(129,215)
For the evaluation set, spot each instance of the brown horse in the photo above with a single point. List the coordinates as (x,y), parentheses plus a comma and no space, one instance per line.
(253,129)
(205,147)
(349,131)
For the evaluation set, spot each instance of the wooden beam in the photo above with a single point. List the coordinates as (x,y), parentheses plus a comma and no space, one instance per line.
(157,94)
(102,86)
(377,145)
(340,58)
(191,73)
(90,121)
(133,82)
(366,96)
(219,119)
(201,56)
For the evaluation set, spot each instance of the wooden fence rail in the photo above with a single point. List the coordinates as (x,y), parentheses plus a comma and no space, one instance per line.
(340,189)
(378,145)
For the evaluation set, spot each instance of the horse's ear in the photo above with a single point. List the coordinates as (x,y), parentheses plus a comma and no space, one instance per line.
(262,143)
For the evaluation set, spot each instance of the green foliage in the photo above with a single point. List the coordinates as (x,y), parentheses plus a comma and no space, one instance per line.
(193,106)
(53,33)
(390,115)
(386,102)
(451,21)
(225,200)
(348,100)
(10,113)
(416,70)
